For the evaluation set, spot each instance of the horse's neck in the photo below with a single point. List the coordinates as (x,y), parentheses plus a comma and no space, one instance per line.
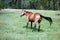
(28,13)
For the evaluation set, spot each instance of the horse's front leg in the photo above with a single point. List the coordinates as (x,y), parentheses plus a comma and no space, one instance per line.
(27,22)
(31,25)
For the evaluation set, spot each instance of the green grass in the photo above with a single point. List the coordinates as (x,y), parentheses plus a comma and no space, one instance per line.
(12,26)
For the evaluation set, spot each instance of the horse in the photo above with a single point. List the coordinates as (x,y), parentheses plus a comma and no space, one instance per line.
(34,18)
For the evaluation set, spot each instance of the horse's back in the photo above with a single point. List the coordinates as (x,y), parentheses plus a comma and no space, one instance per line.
(34,17)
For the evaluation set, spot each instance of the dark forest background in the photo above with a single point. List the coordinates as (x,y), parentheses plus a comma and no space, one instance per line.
(31,4)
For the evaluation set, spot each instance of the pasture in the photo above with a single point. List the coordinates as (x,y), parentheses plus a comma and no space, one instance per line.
(12,26)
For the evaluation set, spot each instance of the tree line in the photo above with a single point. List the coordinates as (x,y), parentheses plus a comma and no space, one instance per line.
(31,4)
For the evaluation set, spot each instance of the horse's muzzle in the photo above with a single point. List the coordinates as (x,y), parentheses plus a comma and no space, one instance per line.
(21,15)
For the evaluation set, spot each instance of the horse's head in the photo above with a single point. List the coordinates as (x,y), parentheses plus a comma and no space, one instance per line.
(23,13)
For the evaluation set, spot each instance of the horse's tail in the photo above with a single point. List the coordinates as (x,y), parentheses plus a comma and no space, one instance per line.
(47,18)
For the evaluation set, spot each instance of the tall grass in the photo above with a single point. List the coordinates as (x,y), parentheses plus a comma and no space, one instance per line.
(12,26)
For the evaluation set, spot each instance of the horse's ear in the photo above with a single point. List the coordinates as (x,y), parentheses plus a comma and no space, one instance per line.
(23,10)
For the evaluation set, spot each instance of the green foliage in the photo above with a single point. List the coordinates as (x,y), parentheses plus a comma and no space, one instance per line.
(1,6)
(31,4)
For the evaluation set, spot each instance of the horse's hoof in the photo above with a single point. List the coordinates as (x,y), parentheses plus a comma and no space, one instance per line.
(32,30)
(38,30)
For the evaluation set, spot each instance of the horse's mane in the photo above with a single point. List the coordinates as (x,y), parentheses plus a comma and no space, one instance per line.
(28,12)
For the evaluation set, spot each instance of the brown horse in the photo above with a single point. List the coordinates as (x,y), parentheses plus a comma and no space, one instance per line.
(36,17)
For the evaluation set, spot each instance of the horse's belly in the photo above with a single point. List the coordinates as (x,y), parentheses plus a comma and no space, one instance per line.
(31,20)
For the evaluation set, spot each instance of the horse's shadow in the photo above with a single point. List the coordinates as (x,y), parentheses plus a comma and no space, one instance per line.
(58,14)
(29,27)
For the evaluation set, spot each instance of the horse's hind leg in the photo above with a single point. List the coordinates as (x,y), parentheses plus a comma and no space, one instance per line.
(34,26)
(38,26)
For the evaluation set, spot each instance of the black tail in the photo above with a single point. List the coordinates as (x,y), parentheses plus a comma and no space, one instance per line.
(47,18)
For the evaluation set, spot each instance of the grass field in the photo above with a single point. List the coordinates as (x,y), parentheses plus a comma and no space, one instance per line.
(12,26)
